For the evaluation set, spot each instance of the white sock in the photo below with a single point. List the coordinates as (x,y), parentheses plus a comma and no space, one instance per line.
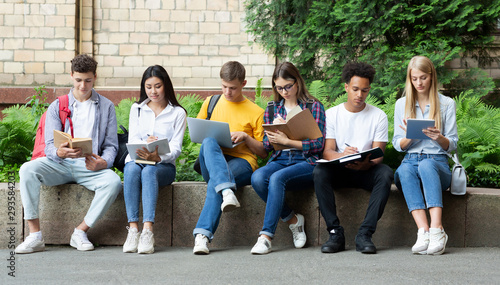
(37,235)
(226,191)
(79,231)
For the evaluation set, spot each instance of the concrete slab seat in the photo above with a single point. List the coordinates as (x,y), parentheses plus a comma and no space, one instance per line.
(470,220)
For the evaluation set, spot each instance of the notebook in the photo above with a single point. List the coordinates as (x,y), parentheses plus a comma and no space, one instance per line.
(414,128)
(374,153)
(199,129)
(163,147)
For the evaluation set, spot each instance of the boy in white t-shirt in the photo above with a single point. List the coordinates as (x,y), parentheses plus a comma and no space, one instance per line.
(352,127)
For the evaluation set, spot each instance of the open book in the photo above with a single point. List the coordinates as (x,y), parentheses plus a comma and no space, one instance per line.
(163,148)
(84,143)
(300,125)
(375,153)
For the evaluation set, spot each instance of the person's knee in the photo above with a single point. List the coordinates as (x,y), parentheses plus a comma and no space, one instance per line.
(258,179)
(320,172)
(385,174)
(208,143)
(278,180)
(28,168)
(149,172)
(427,165)
(404,171)
(113,184)
(131,168)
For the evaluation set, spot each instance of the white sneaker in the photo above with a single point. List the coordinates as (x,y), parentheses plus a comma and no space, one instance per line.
(132,241)
(420,247)
(146,242)
(200,244)
(229,201)
(263,246)
(80,241)
(437,243)
(31,244)
(299,235)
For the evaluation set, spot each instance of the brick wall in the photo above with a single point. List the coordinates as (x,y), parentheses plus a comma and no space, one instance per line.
(190,38)
(37,40)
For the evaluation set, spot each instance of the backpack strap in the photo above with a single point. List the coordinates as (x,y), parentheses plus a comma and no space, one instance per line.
(270,109)
(309,104)
(211,105)
(65,112)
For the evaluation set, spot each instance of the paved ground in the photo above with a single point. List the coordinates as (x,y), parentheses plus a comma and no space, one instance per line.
(108,265)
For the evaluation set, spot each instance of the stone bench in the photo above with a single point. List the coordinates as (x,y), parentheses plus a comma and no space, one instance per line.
(470,220)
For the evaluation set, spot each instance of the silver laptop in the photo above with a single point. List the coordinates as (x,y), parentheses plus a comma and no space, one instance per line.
(199,129)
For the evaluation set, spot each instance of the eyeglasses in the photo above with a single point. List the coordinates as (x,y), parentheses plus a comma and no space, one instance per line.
(287,88)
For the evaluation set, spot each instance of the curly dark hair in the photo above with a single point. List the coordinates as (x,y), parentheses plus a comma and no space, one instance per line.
(83,63)
(360,69)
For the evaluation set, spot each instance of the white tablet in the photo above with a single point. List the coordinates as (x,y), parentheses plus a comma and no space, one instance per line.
(414,128)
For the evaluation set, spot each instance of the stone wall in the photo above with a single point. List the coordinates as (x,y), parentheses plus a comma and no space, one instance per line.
(470,221)
(37,41)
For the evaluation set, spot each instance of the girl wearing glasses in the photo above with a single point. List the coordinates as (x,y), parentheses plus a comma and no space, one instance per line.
(291,168)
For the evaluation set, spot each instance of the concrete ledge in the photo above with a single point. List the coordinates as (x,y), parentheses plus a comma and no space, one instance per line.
(470,220)
(11,216)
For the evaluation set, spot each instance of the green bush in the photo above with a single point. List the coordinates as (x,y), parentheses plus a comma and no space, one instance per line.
(17,135)
(321,36)
(184,166)
(122,113)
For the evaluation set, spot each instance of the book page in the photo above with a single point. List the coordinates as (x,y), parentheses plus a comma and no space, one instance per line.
(84,143)
(301,126)
(293,112)
(60,138)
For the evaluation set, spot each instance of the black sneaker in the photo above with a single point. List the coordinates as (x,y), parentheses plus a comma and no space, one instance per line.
(364,244)
(335,243)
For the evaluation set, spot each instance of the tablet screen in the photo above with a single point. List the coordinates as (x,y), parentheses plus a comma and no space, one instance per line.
(414,128)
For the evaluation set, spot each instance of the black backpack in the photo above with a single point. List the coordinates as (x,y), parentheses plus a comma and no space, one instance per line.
(122,151)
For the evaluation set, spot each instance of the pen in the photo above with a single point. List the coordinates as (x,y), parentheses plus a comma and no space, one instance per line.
(350,146)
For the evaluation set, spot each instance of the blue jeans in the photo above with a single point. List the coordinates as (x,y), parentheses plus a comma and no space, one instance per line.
(289,171)
(105,183)
(431,171)
(148,178)
(220,172)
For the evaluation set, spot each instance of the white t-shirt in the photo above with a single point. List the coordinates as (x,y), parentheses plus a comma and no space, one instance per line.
(83,117)
(359,129)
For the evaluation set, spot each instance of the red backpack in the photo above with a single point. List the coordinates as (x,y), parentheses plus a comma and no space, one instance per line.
(64,113)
